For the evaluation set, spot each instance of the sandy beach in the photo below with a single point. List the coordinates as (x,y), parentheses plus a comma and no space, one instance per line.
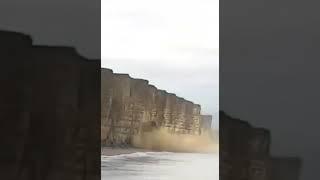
(112,151)
(160,165)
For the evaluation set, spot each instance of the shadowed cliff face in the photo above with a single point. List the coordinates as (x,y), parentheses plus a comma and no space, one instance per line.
(241,146)
(244,153)
(50,119)
(128,104)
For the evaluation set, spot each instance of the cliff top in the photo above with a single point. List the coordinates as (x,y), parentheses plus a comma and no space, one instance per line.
(152,86)
(57,51)
(11,39)
(123,74)
(106,70)
(14,39)
(223,116)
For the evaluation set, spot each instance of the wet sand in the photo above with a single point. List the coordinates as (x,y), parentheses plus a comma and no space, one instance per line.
(112,151)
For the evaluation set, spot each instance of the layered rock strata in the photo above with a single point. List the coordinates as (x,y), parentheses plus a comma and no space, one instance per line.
(244,153)
(130,106)
(206,123)
(49,111)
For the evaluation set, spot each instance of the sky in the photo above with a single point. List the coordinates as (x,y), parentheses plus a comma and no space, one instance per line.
(172,43)
(75,23)
(269,73)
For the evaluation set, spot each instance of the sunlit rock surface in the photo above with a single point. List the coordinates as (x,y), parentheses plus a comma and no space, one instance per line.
(130,106)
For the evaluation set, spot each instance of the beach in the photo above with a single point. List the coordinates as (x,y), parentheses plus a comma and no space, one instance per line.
(113,151)
(137,164)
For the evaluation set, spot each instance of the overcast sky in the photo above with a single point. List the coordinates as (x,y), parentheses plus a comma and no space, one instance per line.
(269,73)
(172,43)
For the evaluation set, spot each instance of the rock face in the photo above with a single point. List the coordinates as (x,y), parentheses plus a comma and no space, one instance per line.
(244,153)
(130,106)
(50,112)
(206,122)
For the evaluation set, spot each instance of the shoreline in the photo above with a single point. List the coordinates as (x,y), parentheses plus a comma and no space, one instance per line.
(113,151)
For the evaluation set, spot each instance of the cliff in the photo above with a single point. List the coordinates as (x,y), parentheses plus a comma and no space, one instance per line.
(130,106)
(244,153)
(206,122)
(50,112)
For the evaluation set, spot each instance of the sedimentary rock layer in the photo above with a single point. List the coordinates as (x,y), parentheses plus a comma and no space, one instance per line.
(130,106)
(206,122)
(244,153)
(49,111)
(242,148)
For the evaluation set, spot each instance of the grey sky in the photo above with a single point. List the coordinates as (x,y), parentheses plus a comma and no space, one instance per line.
(172,43)
(269,73)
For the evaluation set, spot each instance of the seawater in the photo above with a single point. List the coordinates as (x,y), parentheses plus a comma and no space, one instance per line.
(160,166)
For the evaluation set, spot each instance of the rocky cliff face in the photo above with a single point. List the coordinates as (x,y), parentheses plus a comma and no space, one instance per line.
(244,153)
(129,106)
(206,122)
(50,112)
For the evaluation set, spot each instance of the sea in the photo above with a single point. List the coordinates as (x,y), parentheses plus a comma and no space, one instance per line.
(160,166)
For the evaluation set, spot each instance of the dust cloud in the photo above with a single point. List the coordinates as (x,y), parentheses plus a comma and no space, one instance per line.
(162,140)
